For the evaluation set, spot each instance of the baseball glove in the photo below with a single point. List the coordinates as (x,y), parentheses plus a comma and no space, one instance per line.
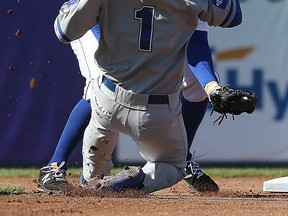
(231,101)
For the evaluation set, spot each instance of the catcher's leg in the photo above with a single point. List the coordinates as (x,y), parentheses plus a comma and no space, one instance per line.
(72,133)
(193,114)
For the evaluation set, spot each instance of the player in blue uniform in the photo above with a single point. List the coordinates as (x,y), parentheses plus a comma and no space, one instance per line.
(195,101)
(194,105)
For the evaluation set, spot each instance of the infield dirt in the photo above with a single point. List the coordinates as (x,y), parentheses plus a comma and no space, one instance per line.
(237,196)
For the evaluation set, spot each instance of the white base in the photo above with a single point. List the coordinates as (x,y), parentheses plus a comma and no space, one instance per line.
(278,185)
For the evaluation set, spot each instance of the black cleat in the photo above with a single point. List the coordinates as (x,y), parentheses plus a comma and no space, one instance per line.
(198,180)
(52,178)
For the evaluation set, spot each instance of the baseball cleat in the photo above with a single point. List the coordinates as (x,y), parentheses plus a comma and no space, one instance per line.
(52,178)
(197,180)
(130,177)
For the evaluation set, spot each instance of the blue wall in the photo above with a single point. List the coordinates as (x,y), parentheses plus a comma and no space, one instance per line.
(32,119)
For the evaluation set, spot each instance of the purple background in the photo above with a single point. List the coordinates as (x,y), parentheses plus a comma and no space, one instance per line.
(32,119)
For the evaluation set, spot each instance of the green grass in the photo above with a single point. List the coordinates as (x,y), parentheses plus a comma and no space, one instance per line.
(213,172)
(246,172)
(33,172)
(7,189)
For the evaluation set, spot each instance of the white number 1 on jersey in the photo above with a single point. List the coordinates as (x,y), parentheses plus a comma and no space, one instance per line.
(145,14)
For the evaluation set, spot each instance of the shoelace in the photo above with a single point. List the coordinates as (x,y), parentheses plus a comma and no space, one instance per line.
(58,173)
(195,169)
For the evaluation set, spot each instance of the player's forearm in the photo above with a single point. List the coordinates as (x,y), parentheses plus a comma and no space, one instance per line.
(200,58)
(200,61)
(75,18)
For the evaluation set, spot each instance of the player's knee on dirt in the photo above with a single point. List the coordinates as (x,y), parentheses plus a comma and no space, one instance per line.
(159,176)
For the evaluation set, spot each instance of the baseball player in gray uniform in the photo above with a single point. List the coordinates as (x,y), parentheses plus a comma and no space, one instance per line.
(142,71)
(194,103)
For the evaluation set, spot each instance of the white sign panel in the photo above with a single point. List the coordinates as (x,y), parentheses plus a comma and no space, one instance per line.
(252,56)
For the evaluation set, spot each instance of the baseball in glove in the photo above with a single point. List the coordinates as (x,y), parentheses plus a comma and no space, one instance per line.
(231,101)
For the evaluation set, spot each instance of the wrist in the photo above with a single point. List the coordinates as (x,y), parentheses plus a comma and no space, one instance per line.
(210,87)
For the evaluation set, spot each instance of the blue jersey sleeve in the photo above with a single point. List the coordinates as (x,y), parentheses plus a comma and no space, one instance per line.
(200,58)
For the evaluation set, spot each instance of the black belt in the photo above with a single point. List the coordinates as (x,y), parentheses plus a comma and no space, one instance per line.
(153,99)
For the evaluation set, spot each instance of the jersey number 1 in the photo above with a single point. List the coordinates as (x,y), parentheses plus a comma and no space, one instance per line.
(145,14)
